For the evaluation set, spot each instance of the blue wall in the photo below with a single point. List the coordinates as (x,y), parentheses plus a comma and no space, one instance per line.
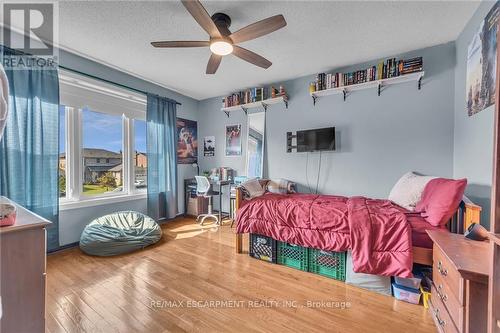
(473,149)
(379,138)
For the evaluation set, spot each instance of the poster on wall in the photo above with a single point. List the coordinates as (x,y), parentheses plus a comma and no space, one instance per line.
(209,146)
(481,65)
(233,140)
(187,141)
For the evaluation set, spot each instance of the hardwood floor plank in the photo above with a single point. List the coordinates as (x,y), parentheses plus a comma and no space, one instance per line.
(167,288)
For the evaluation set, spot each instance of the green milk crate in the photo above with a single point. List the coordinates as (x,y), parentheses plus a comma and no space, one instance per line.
(294,256)
(327,263)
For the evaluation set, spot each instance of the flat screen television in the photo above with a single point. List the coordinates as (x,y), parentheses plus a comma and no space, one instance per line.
(319,139)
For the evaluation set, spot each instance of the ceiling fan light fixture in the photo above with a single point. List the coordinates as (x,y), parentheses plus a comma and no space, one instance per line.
(221,47)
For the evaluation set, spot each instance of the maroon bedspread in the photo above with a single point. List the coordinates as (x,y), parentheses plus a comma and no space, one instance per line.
(376,231)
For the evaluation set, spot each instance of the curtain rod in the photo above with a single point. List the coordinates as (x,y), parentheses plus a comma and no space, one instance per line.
(111,82)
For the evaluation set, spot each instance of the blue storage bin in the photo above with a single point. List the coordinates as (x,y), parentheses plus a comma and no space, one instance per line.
(406,294)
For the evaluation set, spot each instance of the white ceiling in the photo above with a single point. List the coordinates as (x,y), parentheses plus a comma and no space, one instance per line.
(320,35)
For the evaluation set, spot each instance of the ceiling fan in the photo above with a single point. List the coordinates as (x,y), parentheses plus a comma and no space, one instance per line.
(222,41)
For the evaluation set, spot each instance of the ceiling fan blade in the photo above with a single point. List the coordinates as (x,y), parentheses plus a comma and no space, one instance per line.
(199,13)
(213,63)
(258,29)
(251,57)
(182,43)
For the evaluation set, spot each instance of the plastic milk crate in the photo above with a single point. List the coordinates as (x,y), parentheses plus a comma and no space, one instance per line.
(327,263)
(293,256)
(262,247)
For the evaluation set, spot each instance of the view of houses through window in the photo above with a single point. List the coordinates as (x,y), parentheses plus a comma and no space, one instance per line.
(140,158)
(102,154)
(62,151)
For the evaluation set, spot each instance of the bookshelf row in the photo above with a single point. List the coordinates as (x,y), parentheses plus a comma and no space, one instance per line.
(345,90)
(381,75)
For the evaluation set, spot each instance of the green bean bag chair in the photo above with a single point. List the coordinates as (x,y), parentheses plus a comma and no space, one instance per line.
(119,233)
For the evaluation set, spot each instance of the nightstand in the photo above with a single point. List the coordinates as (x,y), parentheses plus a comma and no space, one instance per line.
(459,299)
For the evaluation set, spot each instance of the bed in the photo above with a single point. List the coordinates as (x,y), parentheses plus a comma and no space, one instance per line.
(421,249)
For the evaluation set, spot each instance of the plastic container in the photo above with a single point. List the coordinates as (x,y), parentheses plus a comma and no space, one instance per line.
(413,283)
(328,263)
(426,296)
(406,294)
(263,248)
(294,256)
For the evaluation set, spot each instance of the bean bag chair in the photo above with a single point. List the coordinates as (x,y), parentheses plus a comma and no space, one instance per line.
(119,233)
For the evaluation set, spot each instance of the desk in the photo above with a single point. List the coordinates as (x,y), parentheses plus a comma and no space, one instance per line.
(190,186)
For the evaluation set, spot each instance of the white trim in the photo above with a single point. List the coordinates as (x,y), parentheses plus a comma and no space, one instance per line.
(98,201)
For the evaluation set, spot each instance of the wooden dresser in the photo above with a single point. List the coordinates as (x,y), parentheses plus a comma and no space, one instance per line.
(459,299)
(22,273)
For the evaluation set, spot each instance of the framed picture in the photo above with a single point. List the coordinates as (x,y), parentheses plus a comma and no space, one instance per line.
(209,146)
(233,140)
(481,65)
(187,141)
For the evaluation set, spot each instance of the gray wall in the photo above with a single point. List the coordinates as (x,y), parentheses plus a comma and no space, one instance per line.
(473,144)
(72,222)
(379,138)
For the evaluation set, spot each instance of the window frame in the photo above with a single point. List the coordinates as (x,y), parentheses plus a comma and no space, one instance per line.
(79,93)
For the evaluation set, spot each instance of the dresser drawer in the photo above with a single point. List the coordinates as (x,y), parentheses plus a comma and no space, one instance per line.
(444,273)
(440,293)
(441,317)
(444,293)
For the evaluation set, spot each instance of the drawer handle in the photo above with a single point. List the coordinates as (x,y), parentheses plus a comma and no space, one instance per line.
(441,270)
(440,321)
(443,297)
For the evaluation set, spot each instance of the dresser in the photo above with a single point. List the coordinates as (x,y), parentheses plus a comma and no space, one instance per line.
(459,295)
(22,273)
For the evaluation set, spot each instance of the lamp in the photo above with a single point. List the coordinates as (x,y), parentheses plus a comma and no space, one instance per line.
(221,47)
(195,165)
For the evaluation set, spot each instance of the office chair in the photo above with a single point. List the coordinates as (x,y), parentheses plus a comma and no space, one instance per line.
(203,189)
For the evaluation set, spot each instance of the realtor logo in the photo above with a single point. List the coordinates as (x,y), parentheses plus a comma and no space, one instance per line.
(30,31)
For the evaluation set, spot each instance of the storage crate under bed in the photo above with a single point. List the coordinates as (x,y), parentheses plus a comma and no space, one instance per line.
(328,263)
(294,256)
(262,247)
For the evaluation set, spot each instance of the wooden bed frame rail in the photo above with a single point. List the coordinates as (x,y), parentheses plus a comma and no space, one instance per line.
(467,214)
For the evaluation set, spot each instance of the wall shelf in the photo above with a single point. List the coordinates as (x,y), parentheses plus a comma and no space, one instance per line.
(265,103)
(379,84)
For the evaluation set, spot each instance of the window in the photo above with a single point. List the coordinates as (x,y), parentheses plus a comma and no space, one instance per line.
(102,142)
(62,151)
(102,139)
(140,158)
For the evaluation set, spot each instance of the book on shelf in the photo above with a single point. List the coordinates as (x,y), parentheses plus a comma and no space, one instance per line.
(383,70)
(257,94)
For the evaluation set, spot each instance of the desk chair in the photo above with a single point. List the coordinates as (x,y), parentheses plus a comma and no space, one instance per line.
(203,189)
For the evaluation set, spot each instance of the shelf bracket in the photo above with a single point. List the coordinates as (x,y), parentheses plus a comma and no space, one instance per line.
(245,110)
(264,105)
(345,94)
(379,89)
(420,83)
(314,100)
(227,113)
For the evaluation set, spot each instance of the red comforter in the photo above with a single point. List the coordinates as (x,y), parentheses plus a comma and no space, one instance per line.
(376,231)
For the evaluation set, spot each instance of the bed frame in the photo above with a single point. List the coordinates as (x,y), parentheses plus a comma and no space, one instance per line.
(466,214)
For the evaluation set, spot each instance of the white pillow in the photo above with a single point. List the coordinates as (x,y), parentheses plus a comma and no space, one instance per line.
(408,190)
(253,188)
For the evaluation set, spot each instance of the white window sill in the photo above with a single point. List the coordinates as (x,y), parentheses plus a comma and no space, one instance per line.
(65,204)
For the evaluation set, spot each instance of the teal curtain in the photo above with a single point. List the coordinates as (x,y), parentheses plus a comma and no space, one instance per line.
(162,157)
(29,148)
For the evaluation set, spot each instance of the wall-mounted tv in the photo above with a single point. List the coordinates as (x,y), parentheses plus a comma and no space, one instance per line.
(319,139)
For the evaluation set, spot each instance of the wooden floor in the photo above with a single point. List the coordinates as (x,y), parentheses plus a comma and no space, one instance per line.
(181,284)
